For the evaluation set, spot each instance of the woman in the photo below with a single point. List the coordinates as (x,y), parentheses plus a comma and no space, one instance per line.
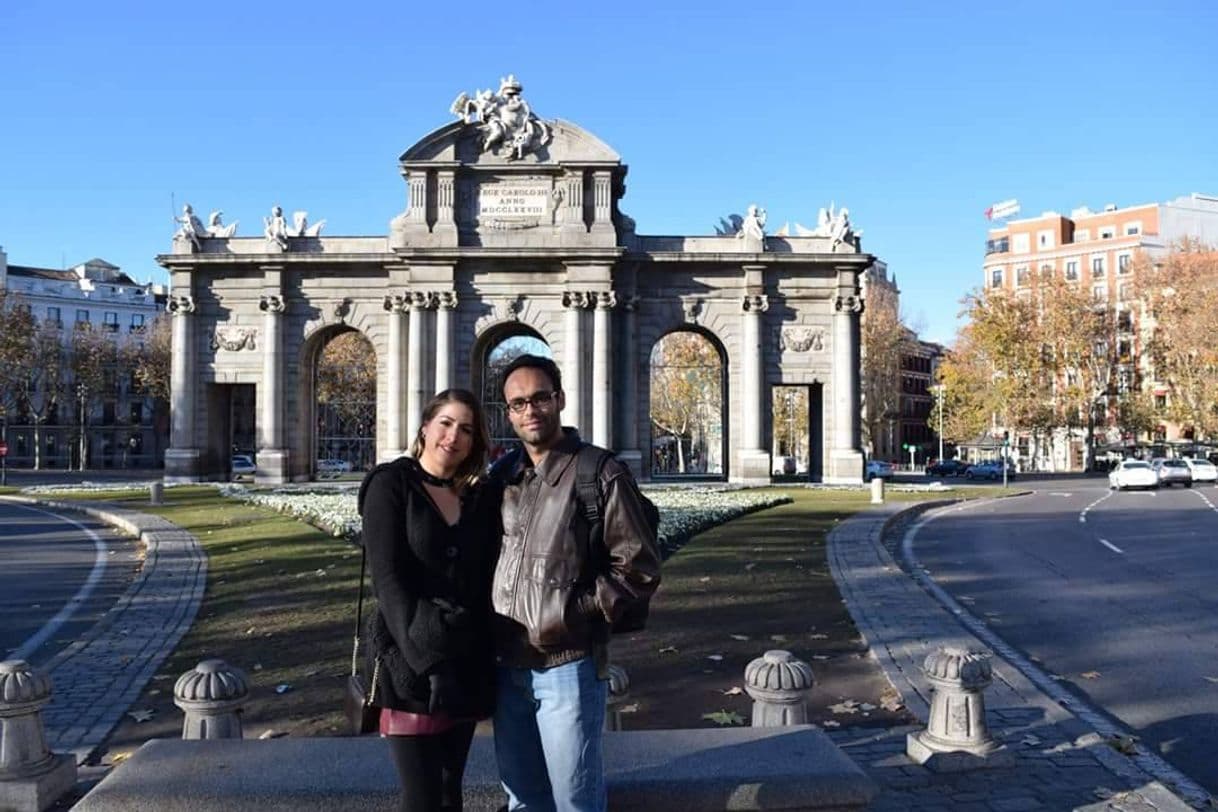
(430,528)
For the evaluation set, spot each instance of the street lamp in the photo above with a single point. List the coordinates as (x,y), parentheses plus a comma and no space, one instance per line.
(940,391)
(82,392)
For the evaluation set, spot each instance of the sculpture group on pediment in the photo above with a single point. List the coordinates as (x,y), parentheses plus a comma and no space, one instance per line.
(834,225)
(276,228)
(190,227)
(504,119)
(753,224)
(216,228)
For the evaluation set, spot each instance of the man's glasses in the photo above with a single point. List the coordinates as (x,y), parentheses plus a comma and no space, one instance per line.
(541,401)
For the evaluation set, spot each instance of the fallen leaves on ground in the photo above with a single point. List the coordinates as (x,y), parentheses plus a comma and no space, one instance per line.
(1090,675)
(735,690)
(740,637)
(724,718)
(1126,745)
(668,650)
(845,706)
(142,715)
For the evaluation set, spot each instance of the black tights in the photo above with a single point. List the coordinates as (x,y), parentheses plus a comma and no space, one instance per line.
(430,768)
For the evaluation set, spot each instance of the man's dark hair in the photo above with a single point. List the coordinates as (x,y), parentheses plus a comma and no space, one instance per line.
(546,365)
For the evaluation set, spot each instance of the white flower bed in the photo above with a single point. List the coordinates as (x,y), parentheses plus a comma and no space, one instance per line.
(684,512)
(93,487)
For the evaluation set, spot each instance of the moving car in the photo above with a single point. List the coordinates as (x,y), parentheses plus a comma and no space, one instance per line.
(1173,472)
(1202,470)
(1133,474)
(877,469)
(947,468)
(990,469)
(333,466)
(242,465)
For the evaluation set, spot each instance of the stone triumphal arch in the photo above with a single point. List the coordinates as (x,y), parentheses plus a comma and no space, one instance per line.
(512,227)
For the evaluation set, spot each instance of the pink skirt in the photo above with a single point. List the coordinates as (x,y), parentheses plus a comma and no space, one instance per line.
(405,723)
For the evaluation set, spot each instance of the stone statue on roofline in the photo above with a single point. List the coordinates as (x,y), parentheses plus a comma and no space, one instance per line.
(216,228)
(190,228)
(504,120)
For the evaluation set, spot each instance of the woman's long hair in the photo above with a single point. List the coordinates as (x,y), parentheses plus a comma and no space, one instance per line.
(472,466)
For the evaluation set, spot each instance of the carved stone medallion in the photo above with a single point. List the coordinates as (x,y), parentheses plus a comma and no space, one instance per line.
(801,339)
(234,339)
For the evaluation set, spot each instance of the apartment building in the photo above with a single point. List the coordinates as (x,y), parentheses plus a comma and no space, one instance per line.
(1097,249)
(121,427)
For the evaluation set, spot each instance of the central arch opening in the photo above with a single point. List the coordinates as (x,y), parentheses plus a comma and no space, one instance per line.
(344,384)
(687,406)
(498,349)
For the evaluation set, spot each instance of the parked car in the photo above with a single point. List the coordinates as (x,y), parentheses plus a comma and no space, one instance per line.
(1133,474)
(333,466)
(990,469)
(878,469)
(242,465)
(947,468)
(1202,470)
(1173,472)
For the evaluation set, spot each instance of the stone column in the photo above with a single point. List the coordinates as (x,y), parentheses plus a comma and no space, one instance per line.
(415,337)
(754,459)
(272,454)
(846,460)
(445,228)
(416,208)
(395,367)
(628,403)
(31,776)
(446,303)
(602,366)
(602,201)
(572,372)
(182,456)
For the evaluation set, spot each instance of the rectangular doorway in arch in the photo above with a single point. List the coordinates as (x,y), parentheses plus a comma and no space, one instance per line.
(796,414)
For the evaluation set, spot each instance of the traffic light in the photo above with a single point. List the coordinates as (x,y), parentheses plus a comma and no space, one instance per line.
(1006,439)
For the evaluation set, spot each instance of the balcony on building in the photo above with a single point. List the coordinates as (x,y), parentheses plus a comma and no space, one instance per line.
(1002,245)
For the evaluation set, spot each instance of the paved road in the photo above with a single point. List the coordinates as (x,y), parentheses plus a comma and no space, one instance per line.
(1113,592)
(61,573)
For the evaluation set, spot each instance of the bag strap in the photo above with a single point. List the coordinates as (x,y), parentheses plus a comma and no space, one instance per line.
(589,461)
(359,611)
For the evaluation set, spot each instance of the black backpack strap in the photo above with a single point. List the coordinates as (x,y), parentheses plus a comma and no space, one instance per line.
(588,464)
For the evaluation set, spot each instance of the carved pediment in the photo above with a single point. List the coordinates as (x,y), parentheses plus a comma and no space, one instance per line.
(460,142)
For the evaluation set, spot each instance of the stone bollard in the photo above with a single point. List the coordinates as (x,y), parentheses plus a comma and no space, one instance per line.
(156,493)
(956,737)
(31,776)
(619,692)
(779,685)
(211,695)
(877,490)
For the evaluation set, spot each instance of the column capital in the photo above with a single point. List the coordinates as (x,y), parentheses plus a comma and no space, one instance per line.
(397,303)
(606,300)
(578,299)
(274,305)
(424,299)
(181,305)
(755,303)
(446,300)
(848,303)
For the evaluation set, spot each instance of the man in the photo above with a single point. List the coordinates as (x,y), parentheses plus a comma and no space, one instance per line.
(555,600)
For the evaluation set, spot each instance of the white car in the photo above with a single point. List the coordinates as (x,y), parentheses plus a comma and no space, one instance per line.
(1203,470)
(242,465)
(1133,474)
(333,466)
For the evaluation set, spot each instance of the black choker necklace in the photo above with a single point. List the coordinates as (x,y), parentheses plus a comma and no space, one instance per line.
(439,482)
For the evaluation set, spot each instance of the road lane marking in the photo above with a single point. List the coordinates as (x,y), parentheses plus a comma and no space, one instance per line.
(1060,493)
(1205,499)
(39,637)
(1111,546)
(1082,517)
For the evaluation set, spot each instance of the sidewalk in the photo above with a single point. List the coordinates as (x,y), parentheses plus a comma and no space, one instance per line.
(1062,757)
(98,677)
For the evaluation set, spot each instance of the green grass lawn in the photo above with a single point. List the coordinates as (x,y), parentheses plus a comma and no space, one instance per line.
(280,604)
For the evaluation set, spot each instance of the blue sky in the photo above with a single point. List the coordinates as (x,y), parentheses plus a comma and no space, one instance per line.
(916,119)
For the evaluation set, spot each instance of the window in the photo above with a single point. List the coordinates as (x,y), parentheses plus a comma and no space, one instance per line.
(137,413)
(996,278)
(1124,291)
(1021,276)
(1123,264)
(1133,229)
(1072,270)
(137,322)
(1125,350)
(1124,321)
(1044,239)
(1099,293)
(110,320)
(1097,267)
(1107,232)
(53,317)
(1082,235)
(1020,242)
(1046,271)
(82,316)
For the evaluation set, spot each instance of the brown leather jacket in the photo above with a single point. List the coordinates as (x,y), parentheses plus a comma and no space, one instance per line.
(552,601)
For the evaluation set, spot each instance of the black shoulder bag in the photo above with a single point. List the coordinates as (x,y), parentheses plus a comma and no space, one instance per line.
(359,702)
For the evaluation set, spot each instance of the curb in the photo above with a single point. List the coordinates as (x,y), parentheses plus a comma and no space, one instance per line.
(100,675)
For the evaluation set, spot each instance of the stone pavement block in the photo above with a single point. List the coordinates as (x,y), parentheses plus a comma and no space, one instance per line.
(1021,804)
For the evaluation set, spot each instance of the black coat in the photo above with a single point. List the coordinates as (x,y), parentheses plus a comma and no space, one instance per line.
(432,584)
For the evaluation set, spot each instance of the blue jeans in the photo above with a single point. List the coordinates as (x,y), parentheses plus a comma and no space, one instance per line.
(549,730)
